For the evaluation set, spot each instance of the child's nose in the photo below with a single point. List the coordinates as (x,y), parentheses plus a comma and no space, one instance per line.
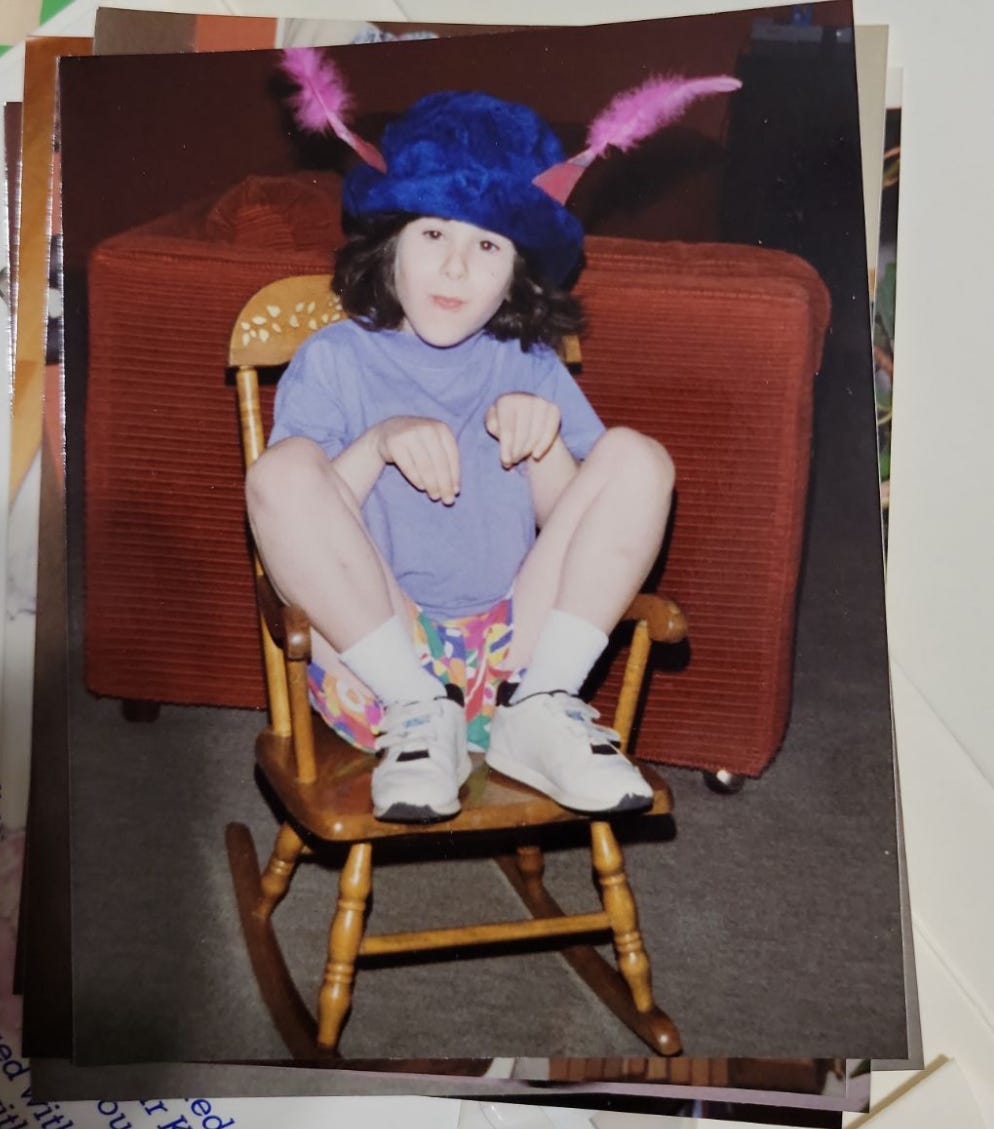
(455,263)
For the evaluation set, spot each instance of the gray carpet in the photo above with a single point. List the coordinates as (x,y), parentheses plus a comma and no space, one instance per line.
(772,925)
(772,917)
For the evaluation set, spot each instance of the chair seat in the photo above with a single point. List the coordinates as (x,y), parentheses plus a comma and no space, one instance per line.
(337,805)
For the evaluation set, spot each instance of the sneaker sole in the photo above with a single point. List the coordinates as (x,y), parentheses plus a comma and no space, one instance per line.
(403,812)
(629,802)
(414,813)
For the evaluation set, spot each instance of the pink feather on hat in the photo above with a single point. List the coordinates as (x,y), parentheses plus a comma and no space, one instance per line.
(323,101)
(634,114)
(629,118)
(322,94)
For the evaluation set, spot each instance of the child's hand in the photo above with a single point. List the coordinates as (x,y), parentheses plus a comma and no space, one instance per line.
(525,425)
(424,451)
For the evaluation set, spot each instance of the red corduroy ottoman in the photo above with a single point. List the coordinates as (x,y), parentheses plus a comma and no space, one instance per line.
(710,348)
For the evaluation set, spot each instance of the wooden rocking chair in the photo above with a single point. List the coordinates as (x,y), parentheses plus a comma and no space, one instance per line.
(323,785)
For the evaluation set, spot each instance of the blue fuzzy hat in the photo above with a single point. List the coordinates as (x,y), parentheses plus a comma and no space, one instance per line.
(473,157)
(476,158)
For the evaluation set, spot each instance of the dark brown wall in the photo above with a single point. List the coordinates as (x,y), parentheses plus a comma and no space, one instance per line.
(143,135)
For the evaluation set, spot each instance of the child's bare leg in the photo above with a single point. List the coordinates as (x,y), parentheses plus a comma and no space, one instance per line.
(315,547)
(602,526)
(599,536)
(318,553)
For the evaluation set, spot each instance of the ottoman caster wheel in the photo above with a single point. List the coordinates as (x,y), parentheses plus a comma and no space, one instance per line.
(723,782)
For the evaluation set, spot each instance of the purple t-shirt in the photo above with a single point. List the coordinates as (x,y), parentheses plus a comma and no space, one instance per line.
(453,560)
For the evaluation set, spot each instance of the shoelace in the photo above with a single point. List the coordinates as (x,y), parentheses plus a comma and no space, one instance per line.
(404,727)
(583,717)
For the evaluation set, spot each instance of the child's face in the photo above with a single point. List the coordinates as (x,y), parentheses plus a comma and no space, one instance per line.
(451,278)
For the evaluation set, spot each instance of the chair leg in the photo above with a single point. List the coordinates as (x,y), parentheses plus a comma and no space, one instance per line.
(275,879)
(633,963)
(531,867)
(344,939)
(632,1005)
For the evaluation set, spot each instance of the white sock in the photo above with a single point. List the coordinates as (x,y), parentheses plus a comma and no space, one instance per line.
(565,653)
(386,662)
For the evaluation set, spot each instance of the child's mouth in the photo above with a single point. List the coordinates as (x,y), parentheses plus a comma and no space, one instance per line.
(444,303)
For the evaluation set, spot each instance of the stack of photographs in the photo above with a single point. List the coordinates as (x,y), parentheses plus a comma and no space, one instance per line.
(155,180)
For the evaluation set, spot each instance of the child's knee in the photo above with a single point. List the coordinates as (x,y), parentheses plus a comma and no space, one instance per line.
(637,457)
(280,469)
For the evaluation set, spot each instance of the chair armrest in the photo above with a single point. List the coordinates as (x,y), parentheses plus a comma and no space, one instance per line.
(286,623)
(657,620)
(291,629)
(664,619)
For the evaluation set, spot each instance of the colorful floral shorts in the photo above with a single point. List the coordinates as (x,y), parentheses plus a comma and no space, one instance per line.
(470,652)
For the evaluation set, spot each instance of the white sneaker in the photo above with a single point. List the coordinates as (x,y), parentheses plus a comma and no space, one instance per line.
(551,742)
(424,761)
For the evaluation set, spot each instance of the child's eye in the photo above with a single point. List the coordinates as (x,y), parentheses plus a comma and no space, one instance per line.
(489,245)
(431,233)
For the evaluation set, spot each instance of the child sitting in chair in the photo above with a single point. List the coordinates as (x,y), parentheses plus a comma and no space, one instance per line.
(438,495)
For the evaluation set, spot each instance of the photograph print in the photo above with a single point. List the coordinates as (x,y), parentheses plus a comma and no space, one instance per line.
(705,290)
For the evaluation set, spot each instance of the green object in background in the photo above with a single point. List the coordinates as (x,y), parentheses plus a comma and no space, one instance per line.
(884,307)
(51,8)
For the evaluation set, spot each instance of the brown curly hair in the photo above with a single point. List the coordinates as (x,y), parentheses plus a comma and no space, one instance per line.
(535,312)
